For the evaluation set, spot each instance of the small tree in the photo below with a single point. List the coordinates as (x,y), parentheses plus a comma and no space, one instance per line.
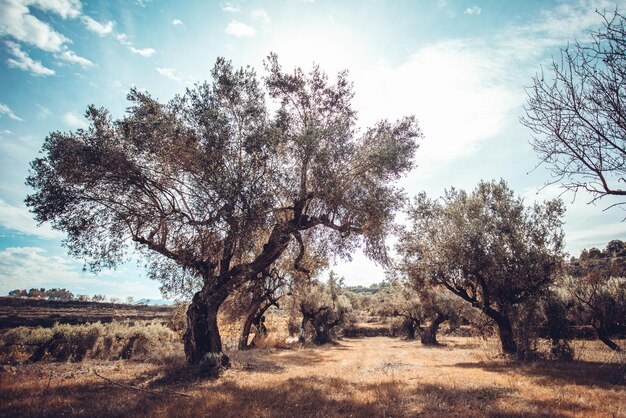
(323,307)
(598,288)
(578,113)
(486,247)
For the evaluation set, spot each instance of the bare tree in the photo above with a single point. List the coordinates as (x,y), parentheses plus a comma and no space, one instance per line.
(486,247)
(211,189)
(577,112)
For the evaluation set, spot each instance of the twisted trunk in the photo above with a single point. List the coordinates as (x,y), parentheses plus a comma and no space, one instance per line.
(202,341)
(254,316)
(429,336)
(409,326)
(505,330)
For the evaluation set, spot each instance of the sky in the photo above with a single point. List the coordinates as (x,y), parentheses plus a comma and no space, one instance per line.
(461,67)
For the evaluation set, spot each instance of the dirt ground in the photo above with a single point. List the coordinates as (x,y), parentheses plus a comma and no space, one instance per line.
(364,377)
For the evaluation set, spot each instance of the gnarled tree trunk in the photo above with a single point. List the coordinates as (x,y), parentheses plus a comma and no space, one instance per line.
(505,331)
(429,335)
(254,316)
(203,344)
(409,326)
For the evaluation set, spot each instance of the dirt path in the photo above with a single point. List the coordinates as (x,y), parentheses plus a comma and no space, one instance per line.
(365,377)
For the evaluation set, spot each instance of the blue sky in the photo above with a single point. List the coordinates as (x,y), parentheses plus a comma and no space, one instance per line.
(459,66)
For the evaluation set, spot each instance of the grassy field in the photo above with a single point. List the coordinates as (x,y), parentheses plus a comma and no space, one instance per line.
(359,377)
(16,312)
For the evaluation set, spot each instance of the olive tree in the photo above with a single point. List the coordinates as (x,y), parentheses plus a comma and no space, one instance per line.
(211,188)
(577,111)
(486,247)
(597,286)
(422,310)
(322,307)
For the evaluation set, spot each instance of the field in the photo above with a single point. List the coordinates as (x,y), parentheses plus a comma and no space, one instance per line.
(38,312)
(359,377)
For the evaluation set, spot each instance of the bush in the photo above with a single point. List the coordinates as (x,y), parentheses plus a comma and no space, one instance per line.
(111,341)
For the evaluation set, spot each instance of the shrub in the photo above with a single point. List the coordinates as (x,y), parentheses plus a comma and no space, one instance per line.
(111,341)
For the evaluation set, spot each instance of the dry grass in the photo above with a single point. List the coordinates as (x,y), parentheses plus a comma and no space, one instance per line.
(137,341)
(373,377)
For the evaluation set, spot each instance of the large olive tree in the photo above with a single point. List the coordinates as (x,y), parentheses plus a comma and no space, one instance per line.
(486,247)
(212,187)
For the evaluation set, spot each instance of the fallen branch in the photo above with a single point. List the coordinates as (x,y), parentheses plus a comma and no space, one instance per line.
(156,392)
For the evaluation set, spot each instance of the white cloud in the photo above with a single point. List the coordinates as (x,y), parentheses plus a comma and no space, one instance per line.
(74,121)
(27,267)
(6,110)
(173,75)
(144,52)
(93,25)
(16,21)
(177,22)
(5,133)
(229,8)
(240,30)
(473,11)
(453,89)
(18,218)
(64,8)
(24,62)
(70,56)
(261,15)
(43,112)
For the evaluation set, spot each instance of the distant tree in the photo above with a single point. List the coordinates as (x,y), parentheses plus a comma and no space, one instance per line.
(598,288)
(98,298)
(323,307)
(423,310)
(114,299)
(211,190)
(485,247)
(130,299)
(59,294)
(578,113)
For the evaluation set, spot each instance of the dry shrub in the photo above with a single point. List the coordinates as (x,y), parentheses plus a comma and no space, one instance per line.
(110,341)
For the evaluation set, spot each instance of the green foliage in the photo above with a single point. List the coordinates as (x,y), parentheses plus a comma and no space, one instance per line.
(486,247)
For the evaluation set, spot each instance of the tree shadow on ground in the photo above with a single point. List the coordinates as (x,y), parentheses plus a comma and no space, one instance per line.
(239,395)
(549,373)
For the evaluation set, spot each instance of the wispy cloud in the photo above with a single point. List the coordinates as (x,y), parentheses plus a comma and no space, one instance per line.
(72,120)
(70,56)
(17,22)
(177,22)
(26,267)
(473,11)
(240,30)
(230,8)
(24,62)
(173,75)
(144,52)
(43,112)
(6,110)
(102,29)
(261,15)
(19,219)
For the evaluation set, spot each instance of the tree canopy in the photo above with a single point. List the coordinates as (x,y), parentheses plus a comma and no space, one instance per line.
(486,247)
